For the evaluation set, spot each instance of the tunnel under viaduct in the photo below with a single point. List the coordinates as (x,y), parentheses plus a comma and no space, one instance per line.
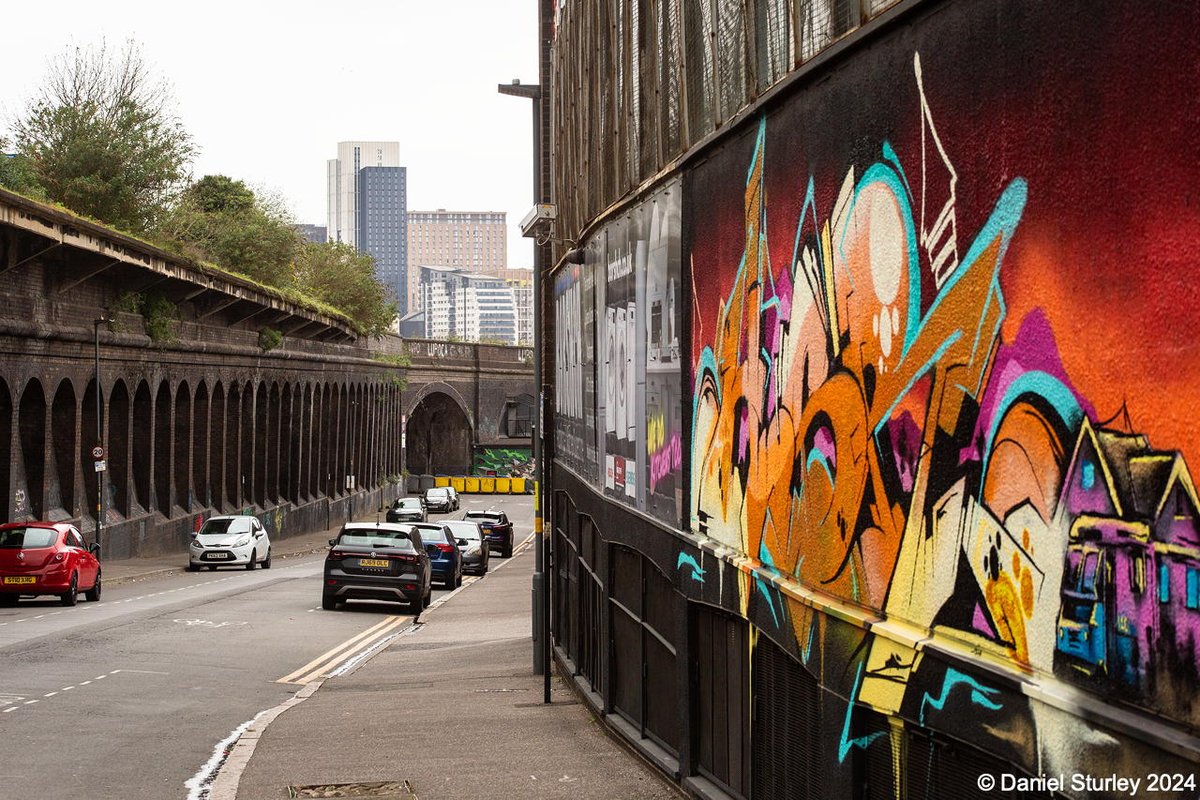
(198,413)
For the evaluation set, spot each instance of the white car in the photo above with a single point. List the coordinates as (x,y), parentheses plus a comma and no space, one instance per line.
(230,541)
(450,490)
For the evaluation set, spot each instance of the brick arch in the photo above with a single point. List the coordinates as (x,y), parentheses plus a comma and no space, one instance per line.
(64,417)
(143,441)
(6,429)
(118,447)
(31,424)
(181,416)
(162,448)
(439,435)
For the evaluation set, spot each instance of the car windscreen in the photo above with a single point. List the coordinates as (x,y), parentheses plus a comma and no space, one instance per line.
(436,494)
(464,530)
(481,517)
(25,538)
(432,535)
(408,504)
(374,538)
(219,526)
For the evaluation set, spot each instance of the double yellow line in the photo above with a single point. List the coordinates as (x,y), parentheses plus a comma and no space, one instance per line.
(328,660)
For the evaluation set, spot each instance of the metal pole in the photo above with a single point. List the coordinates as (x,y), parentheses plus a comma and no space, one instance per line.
(99,438)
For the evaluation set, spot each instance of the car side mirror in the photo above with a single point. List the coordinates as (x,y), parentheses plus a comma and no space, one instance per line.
(332,542)
(94,549)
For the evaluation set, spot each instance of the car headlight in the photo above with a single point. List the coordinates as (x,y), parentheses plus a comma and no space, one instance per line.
(242,541)
(196,545)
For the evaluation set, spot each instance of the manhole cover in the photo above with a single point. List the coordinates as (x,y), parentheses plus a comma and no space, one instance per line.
(380,790)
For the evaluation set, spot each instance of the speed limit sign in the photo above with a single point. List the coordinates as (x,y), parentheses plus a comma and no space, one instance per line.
(98,451)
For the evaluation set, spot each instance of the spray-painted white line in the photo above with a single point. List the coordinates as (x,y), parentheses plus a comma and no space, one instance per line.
(199,785)
(66,688)
(7,710)
(49,694)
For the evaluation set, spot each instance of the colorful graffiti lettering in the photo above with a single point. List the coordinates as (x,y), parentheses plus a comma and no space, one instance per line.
(861,425)
(505,461)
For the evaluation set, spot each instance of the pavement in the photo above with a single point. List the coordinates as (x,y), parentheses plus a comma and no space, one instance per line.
(449,709)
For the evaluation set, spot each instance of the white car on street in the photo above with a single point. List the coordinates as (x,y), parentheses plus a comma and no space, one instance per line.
(230,541)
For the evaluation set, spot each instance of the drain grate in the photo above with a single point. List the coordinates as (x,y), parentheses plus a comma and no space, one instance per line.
(379,790)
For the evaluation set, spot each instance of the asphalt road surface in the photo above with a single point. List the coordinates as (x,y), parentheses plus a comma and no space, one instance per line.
(128,697)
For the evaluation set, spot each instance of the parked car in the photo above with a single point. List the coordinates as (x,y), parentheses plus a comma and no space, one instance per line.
(444,558)
(497,530)
(453,497)
(438,500)
(475,553)
(39,558)
(235,540)
(377,561)
(407,509)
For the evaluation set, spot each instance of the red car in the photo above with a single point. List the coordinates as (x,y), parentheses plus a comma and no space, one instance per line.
(46,558)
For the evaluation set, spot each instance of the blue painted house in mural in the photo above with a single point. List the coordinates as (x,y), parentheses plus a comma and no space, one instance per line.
(1131,583)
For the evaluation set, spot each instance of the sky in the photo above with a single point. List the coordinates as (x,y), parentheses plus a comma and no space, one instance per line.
(267,89)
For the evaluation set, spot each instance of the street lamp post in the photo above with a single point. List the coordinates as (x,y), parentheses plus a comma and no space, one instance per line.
(99,453)
(541,591)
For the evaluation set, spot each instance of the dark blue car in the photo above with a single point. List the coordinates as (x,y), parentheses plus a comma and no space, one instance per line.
(444,556)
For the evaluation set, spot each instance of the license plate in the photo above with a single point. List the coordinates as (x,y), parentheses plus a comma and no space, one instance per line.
(373,562)
(217,556)
(28,579)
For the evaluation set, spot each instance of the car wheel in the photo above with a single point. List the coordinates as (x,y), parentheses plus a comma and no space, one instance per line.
(9,600)
(483,570)
(507,551)
(253,562)
(193,567)
(71,596)
(267,561)
(328,602)
(458,579)
(93,594)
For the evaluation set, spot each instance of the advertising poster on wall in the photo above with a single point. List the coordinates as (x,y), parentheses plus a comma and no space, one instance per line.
(575,371)
(619,359)
(663,453)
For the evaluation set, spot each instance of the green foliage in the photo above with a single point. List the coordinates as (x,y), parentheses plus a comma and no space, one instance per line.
(396,360)
(160,315)
(339,275)
(269,338)
(101,139)
(220,219)
(17,175)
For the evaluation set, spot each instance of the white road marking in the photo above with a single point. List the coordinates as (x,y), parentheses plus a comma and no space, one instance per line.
(30,702)
(5,711)
(49,694)
(66,688)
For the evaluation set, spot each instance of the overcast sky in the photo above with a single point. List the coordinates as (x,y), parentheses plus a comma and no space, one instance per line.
(268,88)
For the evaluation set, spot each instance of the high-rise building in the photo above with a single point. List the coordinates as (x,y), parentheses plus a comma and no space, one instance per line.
(381,229)
(476,241)
(521,283)
(459,304)
(343,183)
(368,204)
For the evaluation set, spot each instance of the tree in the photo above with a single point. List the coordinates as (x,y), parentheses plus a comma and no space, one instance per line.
(101,138)
(221,220)
(16,174)
(337,274)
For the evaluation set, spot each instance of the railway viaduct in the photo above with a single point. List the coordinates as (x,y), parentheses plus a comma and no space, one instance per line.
(203,408)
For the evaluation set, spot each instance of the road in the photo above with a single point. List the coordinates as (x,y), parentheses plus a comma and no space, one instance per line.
(129,697)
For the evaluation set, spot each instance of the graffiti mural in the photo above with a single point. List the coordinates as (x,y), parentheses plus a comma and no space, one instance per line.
(886,409)
(510,462)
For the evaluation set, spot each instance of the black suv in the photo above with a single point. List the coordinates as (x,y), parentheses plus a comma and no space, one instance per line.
(377,561)
(497,530)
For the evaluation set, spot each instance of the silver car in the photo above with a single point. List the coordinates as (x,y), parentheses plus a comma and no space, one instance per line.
(228,541)
(475,554)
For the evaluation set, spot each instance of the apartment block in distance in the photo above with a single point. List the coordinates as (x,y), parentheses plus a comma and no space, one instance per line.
(476,241)
(473,307)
